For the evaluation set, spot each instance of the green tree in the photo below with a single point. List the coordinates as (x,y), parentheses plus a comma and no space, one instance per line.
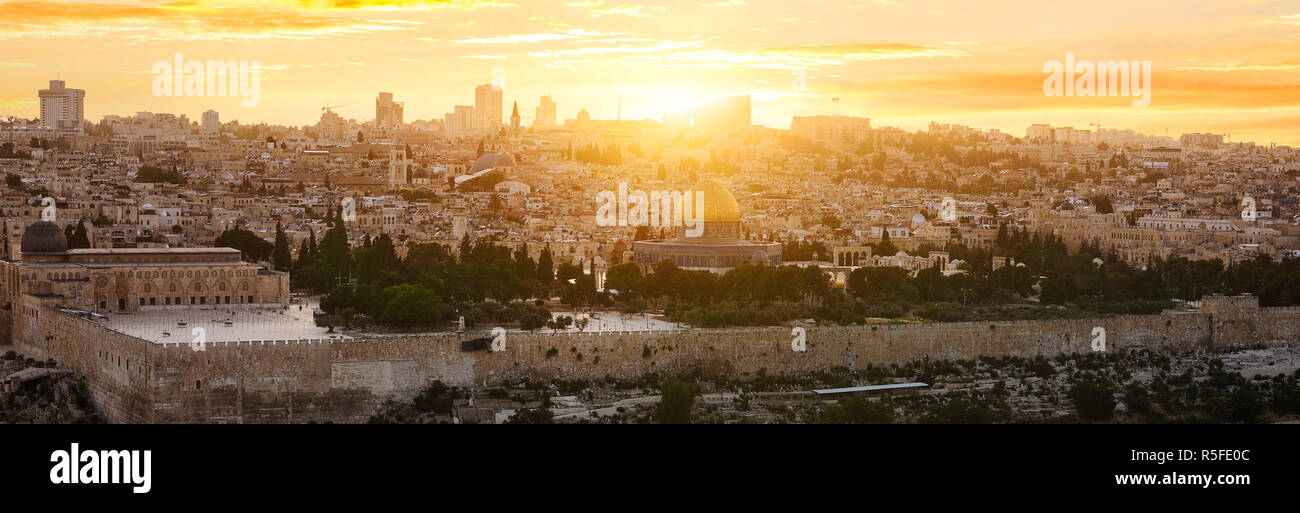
(80,238)
(625,277)
(1093,398)
(253,248)
(152,174)
(678,397)
(884,247)
(539,415)
(1102,203)
(13,181)
(411,305)
(282,259)
(545,267)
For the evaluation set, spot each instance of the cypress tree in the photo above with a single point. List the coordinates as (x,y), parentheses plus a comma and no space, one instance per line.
(282,259)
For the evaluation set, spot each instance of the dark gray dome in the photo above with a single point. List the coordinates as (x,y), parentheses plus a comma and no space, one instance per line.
(492,160)
(44,237)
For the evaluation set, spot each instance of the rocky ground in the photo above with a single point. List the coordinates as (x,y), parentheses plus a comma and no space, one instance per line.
(1246,385)
(58,397)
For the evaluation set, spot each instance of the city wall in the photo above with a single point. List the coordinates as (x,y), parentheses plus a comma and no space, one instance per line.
(116,366)
(345,380)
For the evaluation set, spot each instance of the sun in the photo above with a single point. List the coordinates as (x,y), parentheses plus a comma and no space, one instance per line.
(669,100)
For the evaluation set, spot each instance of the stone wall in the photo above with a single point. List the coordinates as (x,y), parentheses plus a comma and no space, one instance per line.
(1279,325)
(116,366)
(345,380)
(338,380)
(1236,318)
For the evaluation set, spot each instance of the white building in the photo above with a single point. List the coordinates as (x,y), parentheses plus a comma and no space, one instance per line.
(62,107)
(211,121)
(545,113)
(488,107)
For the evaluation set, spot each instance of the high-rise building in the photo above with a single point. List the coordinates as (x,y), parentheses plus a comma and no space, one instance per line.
(62,107)
(388,113)
(1199,139)
(545,113)
(488,107)
(1039,131)
(330,128)
(211,121)
(460,122)
(832,131)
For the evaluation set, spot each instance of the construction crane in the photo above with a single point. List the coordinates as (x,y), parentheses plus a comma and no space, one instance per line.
(328,107)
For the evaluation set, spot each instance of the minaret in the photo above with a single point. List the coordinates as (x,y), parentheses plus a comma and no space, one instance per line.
(514,118)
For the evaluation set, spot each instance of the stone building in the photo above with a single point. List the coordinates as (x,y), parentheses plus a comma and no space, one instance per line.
(718,248)
(118,280)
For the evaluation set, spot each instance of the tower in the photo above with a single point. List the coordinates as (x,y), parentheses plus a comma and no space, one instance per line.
(545,113)
(62,107)
(399,167)
(514,118)
(487,107)
(388,113)
(211,121)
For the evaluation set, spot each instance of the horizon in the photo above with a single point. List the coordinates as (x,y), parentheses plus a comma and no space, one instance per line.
(1228,70)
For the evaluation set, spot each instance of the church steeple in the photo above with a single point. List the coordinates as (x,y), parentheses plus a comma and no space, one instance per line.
(514,117)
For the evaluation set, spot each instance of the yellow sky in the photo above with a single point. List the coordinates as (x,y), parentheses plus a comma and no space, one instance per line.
(1220,66)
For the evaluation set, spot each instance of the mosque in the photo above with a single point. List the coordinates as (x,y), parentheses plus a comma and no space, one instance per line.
(720,246)
(47,273)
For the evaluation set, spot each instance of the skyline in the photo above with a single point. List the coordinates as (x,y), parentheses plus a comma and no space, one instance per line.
(1227,69)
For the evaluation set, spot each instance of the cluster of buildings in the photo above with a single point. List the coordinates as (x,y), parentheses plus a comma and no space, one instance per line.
(476,173)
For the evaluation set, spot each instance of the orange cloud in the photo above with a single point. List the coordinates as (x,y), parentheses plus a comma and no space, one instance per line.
(182,19)
(1172,91)
(865,50)
(401,4)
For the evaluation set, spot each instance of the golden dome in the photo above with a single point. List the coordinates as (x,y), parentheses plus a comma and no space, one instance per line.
(719,205)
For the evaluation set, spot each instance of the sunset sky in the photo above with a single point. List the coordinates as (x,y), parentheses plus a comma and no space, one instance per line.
(1220,66)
